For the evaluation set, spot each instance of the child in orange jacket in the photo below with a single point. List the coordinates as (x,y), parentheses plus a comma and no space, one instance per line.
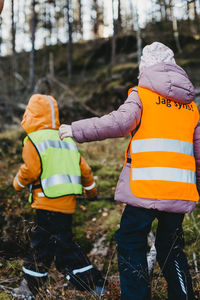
(54,198)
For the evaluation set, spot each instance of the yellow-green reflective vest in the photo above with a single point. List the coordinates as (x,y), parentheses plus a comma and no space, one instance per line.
(60,163)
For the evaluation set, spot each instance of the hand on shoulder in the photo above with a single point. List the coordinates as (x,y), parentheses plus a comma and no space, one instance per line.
(65,131)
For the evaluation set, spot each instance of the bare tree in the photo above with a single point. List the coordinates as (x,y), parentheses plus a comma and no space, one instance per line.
(139,39)
(69,48)
(138,30)
(175,26)
(48,21)
(114,34)
(132,16)
(59,17)
(56,21)
(95,8)
(163,8)
(192,9)
(13,29)
(119,18)
(0,35)
(51,23)
(25,16)
(78,19)
(80,23)
(97,18)
(32,54)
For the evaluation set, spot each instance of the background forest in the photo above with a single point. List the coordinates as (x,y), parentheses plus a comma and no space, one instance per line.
(86,54)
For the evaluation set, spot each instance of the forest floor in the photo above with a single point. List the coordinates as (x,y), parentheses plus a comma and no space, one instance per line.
(94,224)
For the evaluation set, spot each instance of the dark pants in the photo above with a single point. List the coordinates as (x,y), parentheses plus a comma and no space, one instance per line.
(51,240)
(132,254)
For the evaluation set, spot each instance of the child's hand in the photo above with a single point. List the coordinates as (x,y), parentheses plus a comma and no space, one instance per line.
(91,194)
(65,131)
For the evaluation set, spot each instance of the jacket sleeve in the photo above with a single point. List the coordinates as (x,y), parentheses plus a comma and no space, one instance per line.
(116,124)
(30,170)
(87,179)
(197,154)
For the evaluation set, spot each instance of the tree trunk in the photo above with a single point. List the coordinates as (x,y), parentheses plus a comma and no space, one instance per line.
(80,18)
(165,10)
(13,28)
(188,11)
(32,54)
(175,27)
(56,24)
(195,9)
(132,14)
(25,18)
(191,9)
(114,36)
(0,35)
(69,48)
(139,39)
(51,64)
(119,20)
(162,12)
(96,19)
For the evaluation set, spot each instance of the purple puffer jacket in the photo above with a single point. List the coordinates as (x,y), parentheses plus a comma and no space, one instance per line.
(170,81)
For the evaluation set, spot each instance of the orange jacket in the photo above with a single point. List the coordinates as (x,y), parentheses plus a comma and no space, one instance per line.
(42,112)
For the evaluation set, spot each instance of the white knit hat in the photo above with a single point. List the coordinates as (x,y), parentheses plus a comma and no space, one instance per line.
(154,54)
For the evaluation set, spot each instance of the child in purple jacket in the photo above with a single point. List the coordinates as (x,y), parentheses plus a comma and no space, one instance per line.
(161,77)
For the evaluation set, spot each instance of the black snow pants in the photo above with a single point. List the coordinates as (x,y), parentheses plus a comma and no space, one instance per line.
(51,240)
(132,254)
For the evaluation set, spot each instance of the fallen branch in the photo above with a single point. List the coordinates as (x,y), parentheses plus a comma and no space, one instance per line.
(72,94)
(8,280)
(194,221)
(7,289)
(20,78)
(195,262)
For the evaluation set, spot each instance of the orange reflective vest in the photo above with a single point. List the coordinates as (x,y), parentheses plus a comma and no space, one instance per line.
(162,156)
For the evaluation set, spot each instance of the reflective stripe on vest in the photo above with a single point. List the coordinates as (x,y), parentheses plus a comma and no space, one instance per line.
(63,175)
(56,144)
(167,145)
(60,179)
(162,156)
(164,174)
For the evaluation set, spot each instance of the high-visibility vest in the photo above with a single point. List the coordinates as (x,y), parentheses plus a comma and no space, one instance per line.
(60,163)
(162,157)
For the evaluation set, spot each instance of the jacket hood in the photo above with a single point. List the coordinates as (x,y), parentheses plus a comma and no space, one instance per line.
(41,113)
(168,80)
